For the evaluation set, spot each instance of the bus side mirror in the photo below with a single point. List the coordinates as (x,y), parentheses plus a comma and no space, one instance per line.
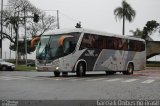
(61,41)
(34,41)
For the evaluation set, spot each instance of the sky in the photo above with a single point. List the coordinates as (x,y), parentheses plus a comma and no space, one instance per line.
(98,14)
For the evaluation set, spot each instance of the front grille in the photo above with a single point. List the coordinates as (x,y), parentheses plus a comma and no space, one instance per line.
(45,61)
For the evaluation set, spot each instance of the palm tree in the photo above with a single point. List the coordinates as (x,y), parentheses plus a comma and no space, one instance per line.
(137,33)
(125,12)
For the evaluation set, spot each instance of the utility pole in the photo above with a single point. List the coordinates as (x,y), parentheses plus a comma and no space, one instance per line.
(58,19)
(1,29)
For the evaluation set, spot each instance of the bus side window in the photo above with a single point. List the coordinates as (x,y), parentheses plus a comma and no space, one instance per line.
(136,48)
(92,41)
(117,43)
(120,45)
(85,42)
(131,45)
(100,42)
(142,46)
(105,42)
(125,44)
(110,42)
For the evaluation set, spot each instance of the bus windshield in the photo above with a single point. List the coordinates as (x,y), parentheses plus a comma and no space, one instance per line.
(55,46)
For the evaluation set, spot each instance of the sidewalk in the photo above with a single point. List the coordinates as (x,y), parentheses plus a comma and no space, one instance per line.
(153,68)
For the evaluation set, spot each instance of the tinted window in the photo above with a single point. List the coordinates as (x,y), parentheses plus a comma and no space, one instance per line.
(106,42)
(136,45)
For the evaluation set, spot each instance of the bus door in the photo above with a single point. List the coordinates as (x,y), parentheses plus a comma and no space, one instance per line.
(91,51)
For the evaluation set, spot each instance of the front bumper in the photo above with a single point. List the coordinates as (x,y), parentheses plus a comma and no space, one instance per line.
(47,68)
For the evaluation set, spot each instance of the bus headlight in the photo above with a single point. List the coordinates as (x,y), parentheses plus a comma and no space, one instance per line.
(57,68)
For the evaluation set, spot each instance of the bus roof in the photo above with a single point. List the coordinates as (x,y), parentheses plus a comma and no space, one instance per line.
(62,31)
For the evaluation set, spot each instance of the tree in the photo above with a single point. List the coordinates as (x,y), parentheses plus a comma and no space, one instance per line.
(45,23)
(125,12)
(137,33)
(13,16)
(149,28)
(21,49)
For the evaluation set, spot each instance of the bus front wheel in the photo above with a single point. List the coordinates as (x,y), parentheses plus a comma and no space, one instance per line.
(56,74)
(130,69)
(81,69)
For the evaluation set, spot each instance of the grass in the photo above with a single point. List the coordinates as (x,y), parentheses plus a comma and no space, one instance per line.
(152,65)
(24,68)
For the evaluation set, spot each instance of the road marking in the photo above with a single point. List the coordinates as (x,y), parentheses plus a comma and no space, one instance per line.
(7,78)
(59,78)
(72,78)
(65,78)
(78,79)
(97,79)
(24,78)
(17,77)
(111,80)
(35,78)
(130,80)
(148,81)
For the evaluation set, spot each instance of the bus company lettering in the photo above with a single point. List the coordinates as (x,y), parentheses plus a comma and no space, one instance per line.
(90,53)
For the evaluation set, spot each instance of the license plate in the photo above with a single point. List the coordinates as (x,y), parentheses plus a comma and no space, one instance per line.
(45,68)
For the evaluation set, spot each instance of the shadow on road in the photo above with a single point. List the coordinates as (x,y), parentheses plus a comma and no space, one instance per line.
(89,75)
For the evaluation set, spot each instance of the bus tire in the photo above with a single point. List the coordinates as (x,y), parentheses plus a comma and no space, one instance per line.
(81,69)
(130,69)
(56,74)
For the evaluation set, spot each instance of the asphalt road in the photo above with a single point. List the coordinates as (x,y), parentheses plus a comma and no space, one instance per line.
(44,86)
